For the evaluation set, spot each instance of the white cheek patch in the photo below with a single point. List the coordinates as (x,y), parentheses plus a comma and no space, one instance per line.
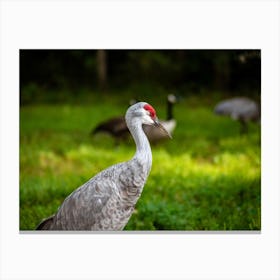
(147,119)
(145,116)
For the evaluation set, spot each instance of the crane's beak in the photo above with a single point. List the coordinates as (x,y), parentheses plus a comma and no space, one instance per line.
(161,127)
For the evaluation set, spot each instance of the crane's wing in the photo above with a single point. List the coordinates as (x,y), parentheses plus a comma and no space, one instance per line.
(83,209)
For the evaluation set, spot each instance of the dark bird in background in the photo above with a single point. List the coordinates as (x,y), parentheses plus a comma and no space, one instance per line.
(107,200)
(117,127)
(241,109)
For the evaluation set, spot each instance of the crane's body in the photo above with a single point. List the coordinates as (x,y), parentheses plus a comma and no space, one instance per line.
(100,204)
(107,200)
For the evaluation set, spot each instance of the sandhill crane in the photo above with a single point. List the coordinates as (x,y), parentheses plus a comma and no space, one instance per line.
(107,200)
(242,109)
(117,127)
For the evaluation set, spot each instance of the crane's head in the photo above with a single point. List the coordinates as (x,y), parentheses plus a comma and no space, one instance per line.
(145,113)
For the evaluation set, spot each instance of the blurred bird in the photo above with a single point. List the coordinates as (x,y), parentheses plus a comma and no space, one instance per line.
(241,109)
(107,200)
(115,126)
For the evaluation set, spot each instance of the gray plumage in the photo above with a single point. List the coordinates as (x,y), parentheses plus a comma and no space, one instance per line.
(107,200)
(242,109)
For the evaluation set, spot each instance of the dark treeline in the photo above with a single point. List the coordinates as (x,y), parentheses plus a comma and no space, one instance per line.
(109,70)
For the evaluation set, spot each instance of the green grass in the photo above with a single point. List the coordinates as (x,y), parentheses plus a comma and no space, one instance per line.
(206,178)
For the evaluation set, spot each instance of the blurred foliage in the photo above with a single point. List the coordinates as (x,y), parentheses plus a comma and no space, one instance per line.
(208,177)
(62,75)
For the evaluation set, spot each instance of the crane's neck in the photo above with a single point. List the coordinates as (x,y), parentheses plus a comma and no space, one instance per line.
(143,152)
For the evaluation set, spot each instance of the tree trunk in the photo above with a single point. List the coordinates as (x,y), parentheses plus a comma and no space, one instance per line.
(222,71)
(102,69)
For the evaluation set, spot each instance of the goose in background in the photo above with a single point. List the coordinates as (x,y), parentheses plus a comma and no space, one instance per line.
(115,126)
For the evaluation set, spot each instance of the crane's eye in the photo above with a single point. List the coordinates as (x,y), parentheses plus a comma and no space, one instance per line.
(151,110)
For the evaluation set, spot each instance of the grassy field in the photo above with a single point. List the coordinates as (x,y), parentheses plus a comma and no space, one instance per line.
(206,178)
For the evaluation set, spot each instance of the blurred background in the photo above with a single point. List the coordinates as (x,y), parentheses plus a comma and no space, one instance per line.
(63,75)
(208,177)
